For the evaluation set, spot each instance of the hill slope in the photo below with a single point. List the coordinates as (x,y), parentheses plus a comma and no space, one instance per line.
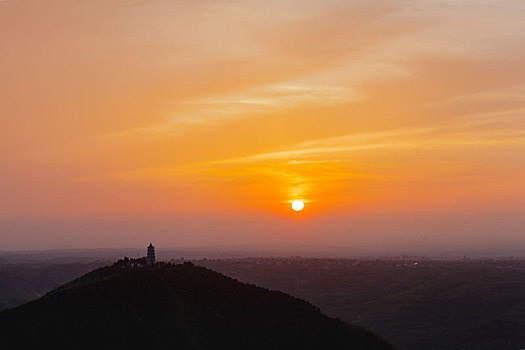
(437,305)
(174,306)
(20,283)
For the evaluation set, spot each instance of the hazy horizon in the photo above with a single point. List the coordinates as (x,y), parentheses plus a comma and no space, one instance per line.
(363,251)
(198,123)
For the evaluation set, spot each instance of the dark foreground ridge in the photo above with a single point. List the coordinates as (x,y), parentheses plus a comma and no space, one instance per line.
(174,307)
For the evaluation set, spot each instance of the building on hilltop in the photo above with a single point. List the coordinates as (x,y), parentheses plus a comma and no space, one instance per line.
(150,258)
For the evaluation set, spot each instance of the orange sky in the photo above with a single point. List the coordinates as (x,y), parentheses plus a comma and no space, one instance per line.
(198,122)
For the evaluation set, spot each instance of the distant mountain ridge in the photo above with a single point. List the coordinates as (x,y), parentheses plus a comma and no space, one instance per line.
(174,307)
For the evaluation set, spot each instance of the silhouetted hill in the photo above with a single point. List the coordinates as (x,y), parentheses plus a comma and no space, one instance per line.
(174,307)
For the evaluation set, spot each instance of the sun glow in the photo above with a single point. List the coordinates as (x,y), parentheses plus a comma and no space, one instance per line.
(297,205)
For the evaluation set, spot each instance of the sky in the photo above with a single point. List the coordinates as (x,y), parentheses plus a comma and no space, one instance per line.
(197,123)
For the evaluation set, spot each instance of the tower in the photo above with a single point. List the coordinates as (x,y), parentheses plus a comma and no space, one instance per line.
(150,258)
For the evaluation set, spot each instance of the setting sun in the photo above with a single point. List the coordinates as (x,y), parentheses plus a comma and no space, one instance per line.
(297,205)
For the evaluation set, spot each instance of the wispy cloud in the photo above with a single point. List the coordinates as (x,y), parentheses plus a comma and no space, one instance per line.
(304,153)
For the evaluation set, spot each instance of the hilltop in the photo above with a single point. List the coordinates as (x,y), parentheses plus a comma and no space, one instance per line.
(174,306)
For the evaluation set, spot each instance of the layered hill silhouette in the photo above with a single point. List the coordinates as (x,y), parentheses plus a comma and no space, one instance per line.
(174,307)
